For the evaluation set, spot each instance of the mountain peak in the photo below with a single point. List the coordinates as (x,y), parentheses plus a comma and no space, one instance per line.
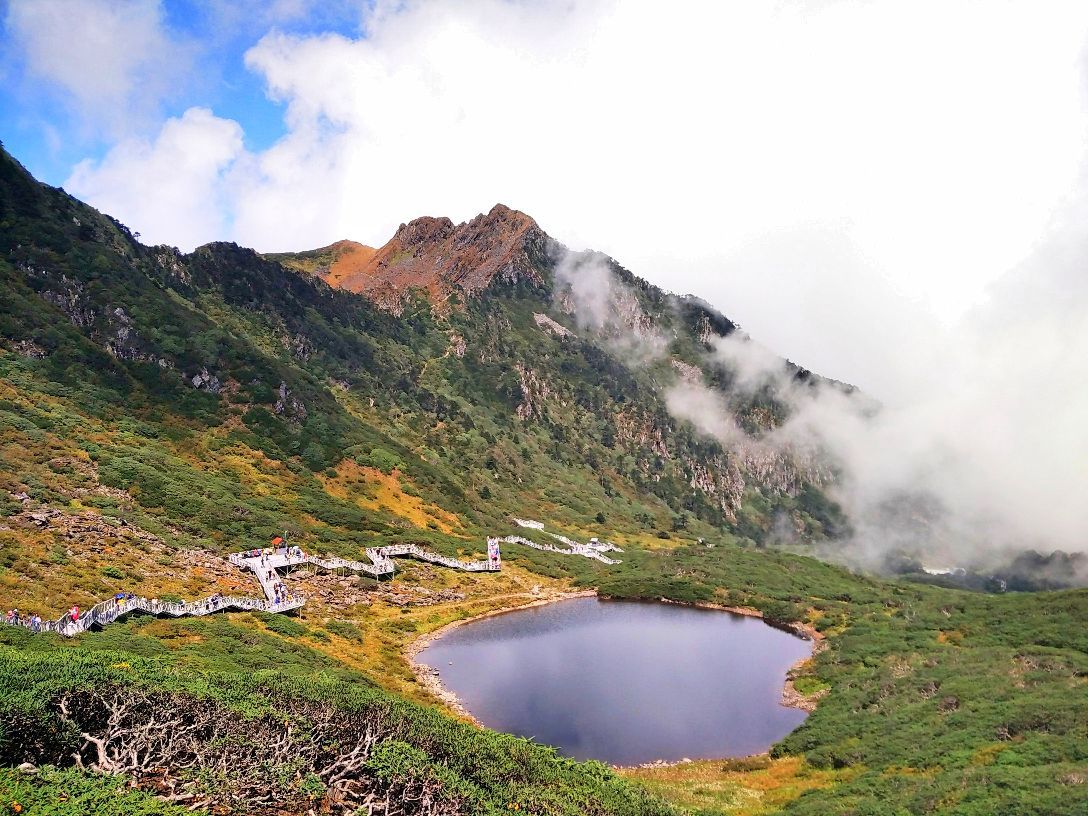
(423,231)
(435,255)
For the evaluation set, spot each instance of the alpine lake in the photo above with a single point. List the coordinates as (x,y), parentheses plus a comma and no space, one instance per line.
(624,682)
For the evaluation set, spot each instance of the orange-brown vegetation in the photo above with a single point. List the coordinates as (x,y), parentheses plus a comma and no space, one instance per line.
(746,787)
(372,489)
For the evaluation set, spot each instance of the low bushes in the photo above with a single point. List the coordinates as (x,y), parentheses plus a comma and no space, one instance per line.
(246,742)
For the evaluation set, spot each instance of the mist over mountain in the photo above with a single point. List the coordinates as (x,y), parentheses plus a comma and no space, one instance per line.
(160,410)
(956,474)
(511,333)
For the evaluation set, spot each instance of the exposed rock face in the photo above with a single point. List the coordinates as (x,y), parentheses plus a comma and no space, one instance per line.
(206,380)
(458,346)
(690,374)
(546,323)
(641,432)
(94,531)
(70,298)
(288,405)
(28,349)
(535,391)
(440,257)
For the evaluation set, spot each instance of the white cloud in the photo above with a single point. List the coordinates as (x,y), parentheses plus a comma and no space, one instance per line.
(172,191)
(993,434)
(112,58)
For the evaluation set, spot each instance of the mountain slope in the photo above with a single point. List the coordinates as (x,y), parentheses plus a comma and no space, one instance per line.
(158,410)
(492,409)
(333,264)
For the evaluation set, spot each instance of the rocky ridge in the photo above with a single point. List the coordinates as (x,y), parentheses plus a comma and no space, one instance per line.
(436,256)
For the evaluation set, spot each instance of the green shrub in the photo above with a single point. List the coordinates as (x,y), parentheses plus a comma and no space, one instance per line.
(283,625)
(53,792)
(384,460)
(346,630)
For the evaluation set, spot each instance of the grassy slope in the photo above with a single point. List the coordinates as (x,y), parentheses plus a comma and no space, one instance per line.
(482,772)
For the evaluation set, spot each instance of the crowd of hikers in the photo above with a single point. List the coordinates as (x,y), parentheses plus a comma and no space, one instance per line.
(108,610)
(279,589)
(264,552)
(30,620)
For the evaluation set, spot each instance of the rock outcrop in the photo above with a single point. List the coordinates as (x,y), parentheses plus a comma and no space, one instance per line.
(440,257)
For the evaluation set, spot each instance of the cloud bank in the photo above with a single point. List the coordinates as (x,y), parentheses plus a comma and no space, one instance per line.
(835,174)
(986,458)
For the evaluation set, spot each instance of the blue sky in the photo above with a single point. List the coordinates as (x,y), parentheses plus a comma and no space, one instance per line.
(46,128)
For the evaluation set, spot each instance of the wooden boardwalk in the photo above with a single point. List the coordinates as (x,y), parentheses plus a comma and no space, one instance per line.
(265,567)
(110,610)
(265,564)
(380,565)
(594,551)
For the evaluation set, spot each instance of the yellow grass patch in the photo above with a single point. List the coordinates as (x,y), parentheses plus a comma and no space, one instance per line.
(988,753)
(371,489)
(50,572)
(747,787)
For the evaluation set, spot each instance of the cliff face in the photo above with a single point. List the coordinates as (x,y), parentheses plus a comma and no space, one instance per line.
(438,257)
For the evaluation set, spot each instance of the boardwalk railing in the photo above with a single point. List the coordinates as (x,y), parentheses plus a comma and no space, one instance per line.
(434,558)
(594,544)
(265,564)
(572,548)
(108,611)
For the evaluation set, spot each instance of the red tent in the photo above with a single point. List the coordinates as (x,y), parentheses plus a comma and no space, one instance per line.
(277,541)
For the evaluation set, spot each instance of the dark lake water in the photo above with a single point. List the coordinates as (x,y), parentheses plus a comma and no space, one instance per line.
(625,682)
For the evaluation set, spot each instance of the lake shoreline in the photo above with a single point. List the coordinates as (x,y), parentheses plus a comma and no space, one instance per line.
(431,680)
